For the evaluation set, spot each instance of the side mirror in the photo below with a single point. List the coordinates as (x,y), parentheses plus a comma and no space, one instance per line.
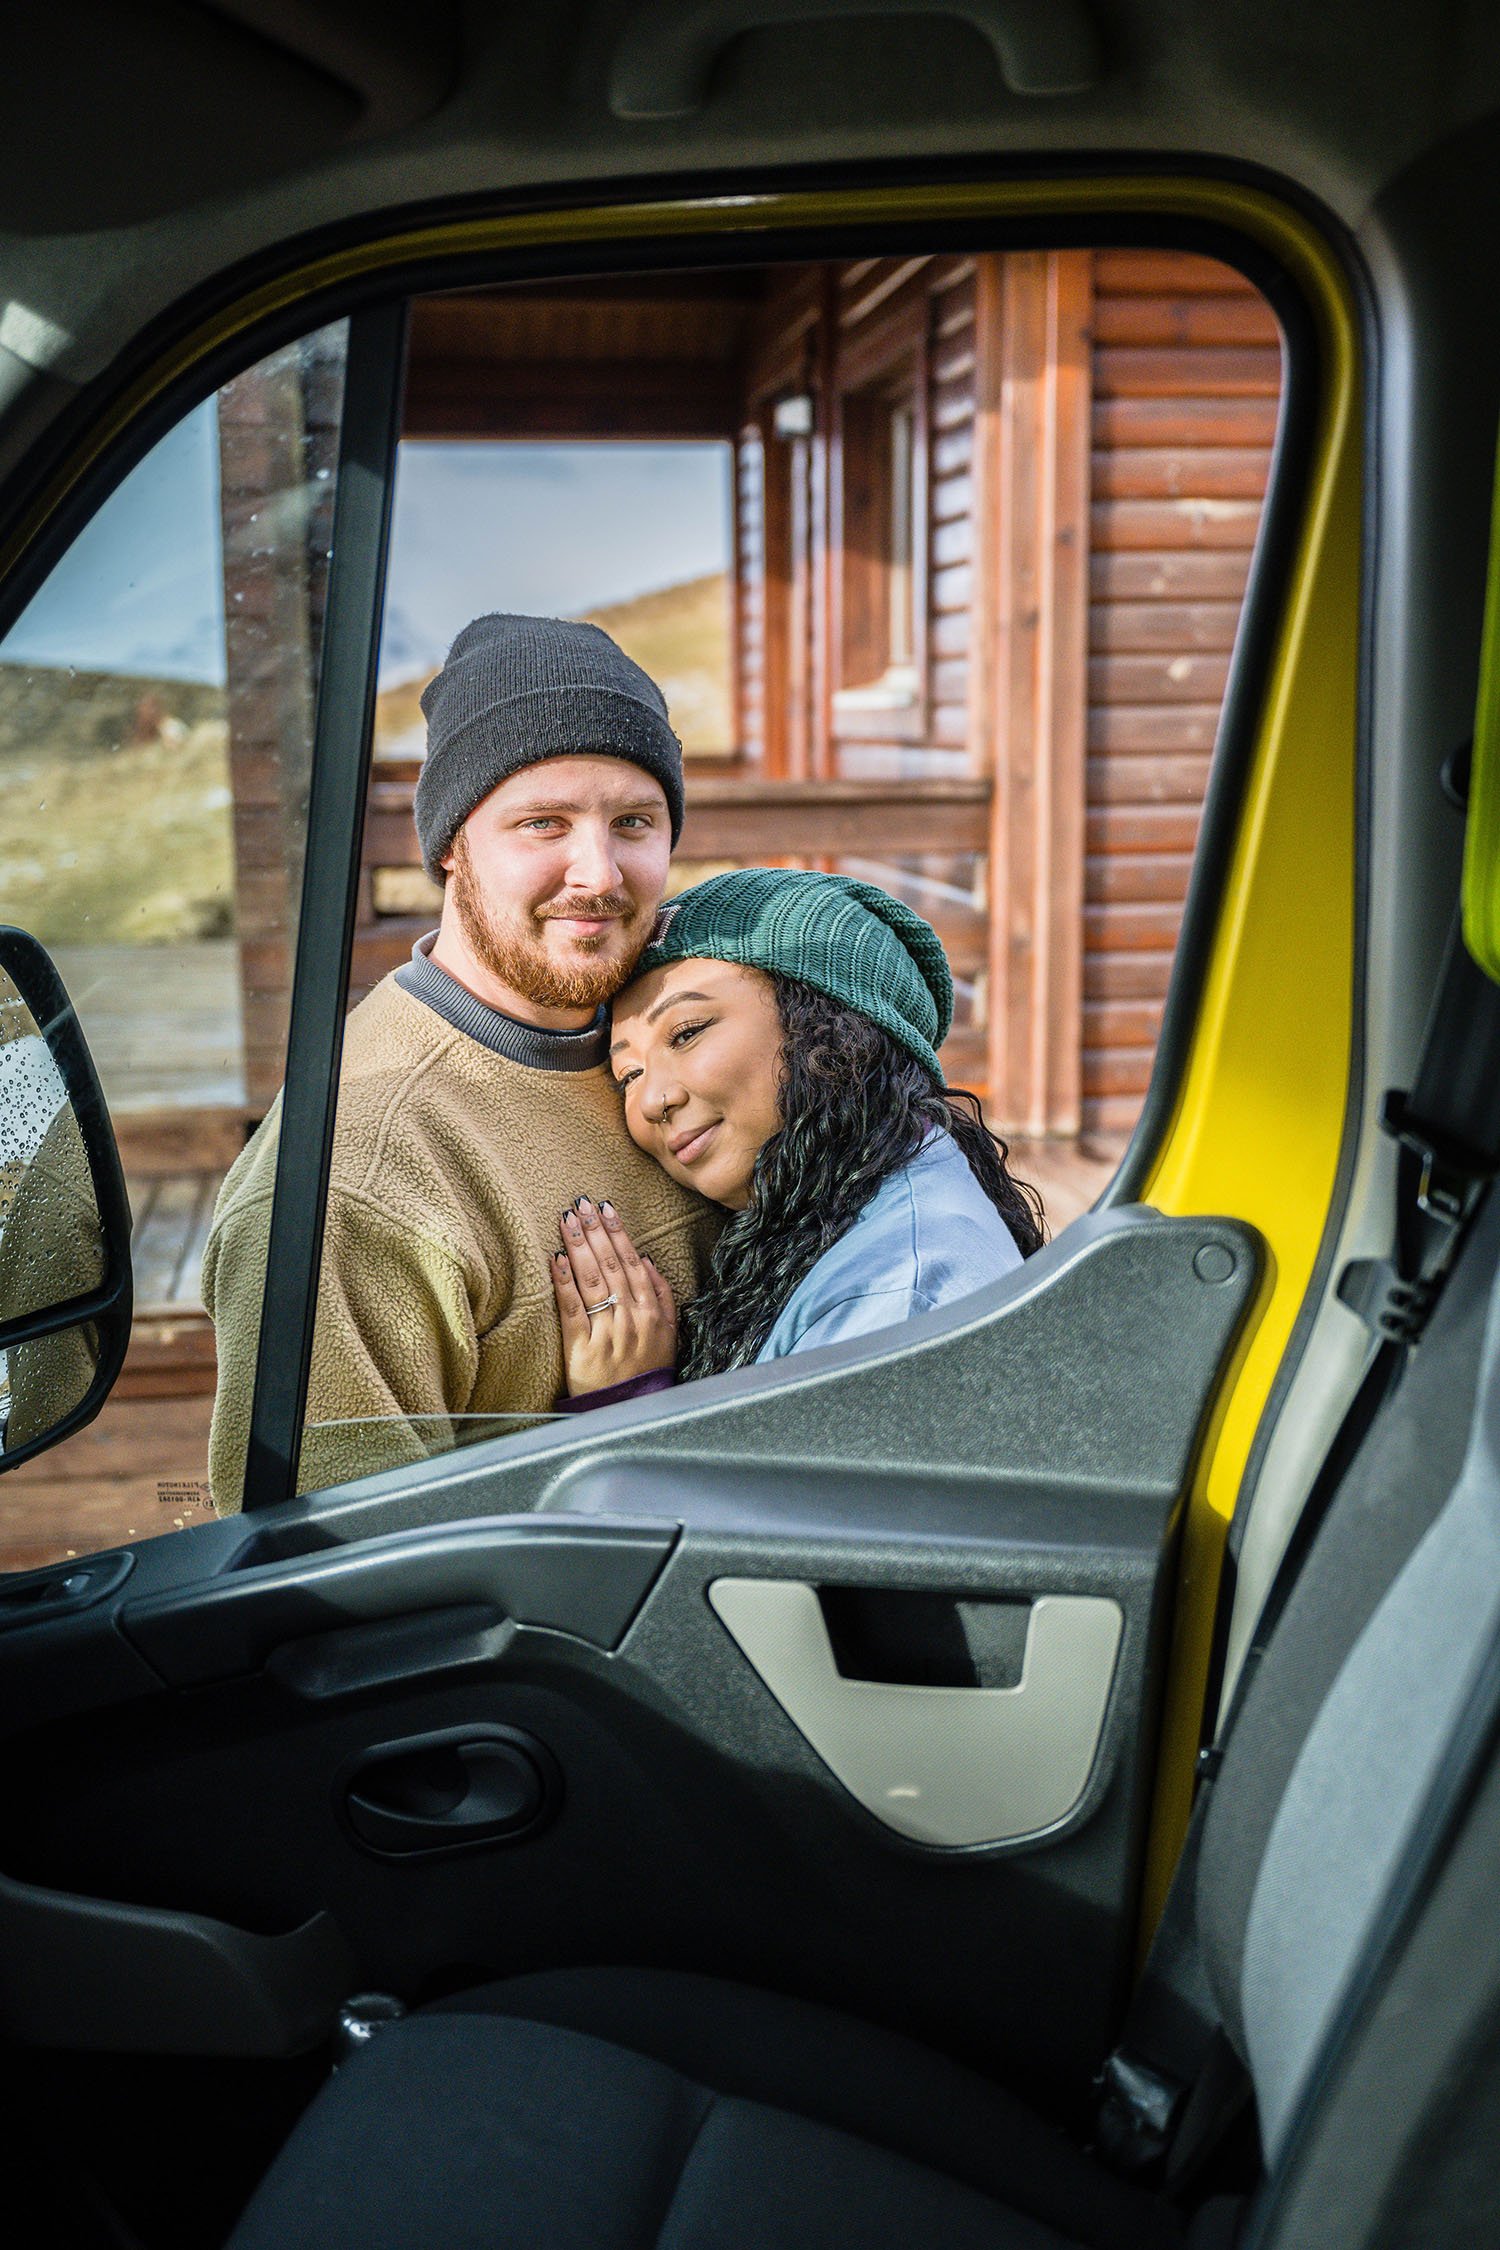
(65,1287)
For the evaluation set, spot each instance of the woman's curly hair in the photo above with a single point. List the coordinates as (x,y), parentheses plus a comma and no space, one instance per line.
(855,1107)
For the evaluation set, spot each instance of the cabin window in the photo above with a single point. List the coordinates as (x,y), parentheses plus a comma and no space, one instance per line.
(901,627)
(880,558)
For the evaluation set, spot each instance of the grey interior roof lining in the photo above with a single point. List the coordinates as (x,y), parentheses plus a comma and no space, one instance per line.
(1340,98)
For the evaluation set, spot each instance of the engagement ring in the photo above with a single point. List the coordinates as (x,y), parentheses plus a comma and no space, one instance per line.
(592,1309)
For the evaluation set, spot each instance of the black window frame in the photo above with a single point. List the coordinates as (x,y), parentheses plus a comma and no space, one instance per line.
(343,738)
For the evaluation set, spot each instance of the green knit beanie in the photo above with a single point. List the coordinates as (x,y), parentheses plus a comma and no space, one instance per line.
(848,939)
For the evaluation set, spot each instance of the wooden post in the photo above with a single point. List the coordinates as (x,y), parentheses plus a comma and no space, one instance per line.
(824,633)
(1029,677)
(735,591)
(798,470)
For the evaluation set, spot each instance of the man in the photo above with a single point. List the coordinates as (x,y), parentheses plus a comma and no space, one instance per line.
(475,1101)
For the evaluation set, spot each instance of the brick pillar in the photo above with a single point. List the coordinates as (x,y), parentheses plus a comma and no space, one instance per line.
(278,441)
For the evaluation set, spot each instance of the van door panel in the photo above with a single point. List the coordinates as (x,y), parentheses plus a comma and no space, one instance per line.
(534,1642)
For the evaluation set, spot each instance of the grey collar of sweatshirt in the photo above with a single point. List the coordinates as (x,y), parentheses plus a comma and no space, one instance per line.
(504,1035)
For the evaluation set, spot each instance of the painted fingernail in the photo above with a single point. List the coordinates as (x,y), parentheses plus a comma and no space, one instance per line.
(559,1257)
(585,1206)
(610,1213)
(571,1223)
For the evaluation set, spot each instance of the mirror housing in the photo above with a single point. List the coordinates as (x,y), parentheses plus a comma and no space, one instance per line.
(65,1278)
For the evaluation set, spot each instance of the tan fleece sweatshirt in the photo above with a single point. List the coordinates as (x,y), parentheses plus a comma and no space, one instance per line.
(451,1167)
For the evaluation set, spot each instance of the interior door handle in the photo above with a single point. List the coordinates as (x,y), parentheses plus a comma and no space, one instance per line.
(666,52)
(443,1792)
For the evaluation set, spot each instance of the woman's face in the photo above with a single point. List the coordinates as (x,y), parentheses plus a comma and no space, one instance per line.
(697,1050)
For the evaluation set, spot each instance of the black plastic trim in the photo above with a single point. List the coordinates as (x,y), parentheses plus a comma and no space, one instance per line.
(62,1589)
(97,1974)
(585,1579)
(1096,1363)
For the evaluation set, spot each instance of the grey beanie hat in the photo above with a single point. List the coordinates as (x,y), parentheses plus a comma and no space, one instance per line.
(516,690)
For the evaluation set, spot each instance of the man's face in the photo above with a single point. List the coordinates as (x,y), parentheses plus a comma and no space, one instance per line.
(556,877)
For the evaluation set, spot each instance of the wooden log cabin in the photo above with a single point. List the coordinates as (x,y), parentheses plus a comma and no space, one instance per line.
(992,522)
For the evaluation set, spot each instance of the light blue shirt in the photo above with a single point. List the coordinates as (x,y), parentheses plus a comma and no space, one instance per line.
(927,1236)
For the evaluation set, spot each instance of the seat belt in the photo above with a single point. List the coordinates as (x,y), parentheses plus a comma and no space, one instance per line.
(1173,2086)
(1448,1133)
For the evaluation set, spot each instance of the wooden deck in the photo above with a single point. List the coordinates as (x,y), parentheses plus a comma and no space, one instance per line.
(163,1023)
(140,1468)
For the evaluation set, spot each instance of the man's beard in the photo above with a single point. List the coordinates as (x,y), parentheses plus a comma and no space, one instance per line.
(517,954)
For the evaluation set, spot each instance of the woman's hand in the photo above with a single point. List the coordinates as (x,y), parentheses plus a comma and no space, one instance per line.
(632,1329)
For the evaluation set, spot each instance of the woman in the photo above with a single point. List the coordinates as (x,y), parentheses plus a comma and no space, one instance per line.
(777,1050)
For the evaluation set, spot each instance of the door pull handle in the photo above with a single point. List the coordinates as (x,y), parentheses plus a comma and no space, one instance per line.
(950,1766)
(449,1791)
(666,51)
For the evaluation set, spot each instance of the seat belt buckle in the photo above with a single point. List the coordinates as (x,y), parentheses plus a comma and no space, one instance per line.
(1137,2113)
(1449,1178)
(1395,1309)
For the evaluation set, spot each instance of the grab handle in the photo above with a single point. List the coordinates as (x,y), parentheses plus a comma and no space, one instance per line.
(666,52)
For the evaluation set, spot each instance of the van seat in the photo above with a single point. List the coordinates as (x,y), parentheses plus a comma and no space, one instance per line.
(612,2108)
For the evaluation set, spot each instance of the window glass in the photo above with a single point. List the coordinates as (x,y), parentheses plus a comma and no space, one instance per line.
(901,644)
(882,635)
(156,712)
(939,562)
(633,537)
